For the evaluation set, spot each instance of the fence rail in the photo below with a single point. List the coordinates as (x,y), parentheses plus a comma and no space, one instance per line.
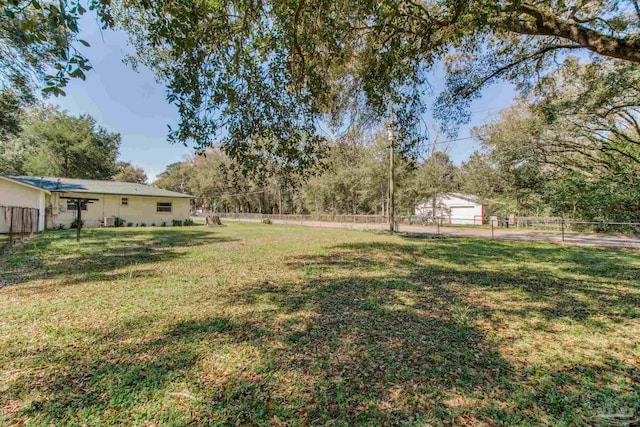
(17,222)
(555,224)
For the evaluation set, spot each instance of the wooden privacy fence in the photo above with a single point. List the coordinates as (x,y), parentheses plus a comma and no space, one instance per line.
(18,222)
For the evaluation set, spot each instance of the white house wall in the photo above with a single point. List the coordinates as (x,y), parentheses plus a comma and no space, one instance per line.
(138,210)
(18,195)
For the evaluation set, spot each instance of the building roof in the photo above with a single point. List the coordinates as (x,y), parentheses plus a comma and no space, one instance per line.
(25,184)
(72,185)
(467,197)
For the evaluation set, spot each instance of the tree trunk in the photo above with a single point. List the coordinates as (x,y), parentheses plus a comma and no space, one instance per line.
(548,25)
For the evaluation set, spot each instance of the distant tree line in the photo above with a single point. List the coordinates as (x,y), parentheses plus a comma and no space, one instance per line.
(42,140)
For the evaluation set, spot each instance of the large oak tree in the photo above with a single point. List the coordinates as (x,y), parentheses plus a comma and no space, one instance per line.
(260,76)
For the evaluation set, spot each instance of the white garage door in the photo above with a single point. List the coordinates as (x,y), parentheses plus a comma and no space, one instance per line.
(462,215)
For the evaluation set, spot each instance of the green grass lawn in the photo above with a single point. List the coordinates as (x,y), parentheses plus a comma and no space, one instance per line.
(254,324)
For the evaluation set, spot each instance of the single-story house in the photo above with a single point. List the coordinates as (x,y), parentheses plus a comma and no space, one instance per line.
(454,208)
(101,201)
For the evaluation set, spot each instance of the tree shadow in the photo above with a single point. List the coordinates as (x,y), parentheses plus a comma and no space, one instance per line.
(114,371)
(397,350)
(56,257)
(373,334)
(576,283)
(602,262)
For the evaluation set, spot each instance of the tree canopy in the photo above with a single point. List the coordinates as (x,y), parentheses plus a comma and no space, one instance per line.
(51,142)
(262,78)
(126,172)
(298,63)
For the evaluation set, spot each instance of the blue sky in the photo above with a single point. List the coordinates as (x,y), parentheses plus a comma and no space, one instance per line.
(134,104)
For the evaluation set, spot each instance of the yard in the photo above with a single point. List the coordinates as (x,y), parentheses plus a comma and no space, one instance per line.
(254,324)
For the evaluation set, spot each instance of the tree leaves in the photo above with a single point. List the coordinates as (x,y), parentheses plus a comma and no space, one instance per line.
(40,36)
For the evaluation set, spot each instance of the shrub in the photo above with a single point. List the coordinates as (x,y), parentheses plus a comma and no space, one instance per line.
(118,222)
(153,224)
(266,221)
(142,224)
(60,226)
(129,224)
(176,223)
(74,223)
(188,222)
(164,224)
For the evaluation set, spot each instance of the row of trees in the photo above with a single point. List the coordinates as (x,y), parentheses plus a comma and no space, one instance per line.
(42,140)
(353,179)
(571,148)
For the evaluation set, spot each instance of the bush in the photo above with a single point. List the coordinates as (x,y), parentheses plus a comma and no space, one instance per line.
(129,224)
(142,224)
(266,221)
(188,222)
(60,226)
(118,222)
(176,223)
(74,223)
(164,224)
(153,224)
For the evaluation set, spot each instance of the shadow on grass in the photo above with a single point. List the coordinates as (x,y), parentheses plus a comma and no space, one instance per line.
(399,347)
(56,256)
(574,283)
(403,350)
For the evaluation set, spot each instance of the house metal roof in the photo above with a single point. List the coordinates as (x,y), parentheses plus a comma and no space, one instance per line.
(72,185)
(15,181)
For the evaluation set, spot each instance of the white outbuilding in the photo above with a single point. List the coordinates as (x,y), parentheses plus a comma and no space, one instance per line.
(453,208)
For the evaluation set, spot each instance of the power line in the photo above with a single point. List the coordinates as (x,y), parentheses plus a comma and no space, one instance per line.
(455,140)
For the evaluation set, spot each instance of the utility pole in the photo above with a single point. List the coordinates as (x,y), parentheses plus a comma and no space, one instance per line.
(392,156)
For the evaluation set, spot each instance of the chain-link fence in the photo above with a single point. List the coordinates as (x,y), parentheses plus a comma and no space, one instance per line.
(510,228)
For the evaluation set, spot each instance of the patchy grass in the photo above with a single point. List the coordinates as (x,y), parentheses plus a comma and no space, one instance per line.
(283,325)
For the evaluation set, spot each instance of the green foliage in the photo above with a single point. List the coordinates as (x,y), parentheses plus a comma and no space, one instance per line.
(39,43)
(573,150)
(74,223)
(344,63)
(10,114)
(188,222)
(53,143)
(176,223)
(119,222)
(129,224)
(266,221)
(163,224)
(143,224)
(126,172)
(434,176)
(176,177)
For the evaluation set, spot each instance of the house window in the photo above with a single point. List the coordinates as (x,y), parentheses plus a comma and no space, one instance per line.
(73,206)
(124,201)
(163,207)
